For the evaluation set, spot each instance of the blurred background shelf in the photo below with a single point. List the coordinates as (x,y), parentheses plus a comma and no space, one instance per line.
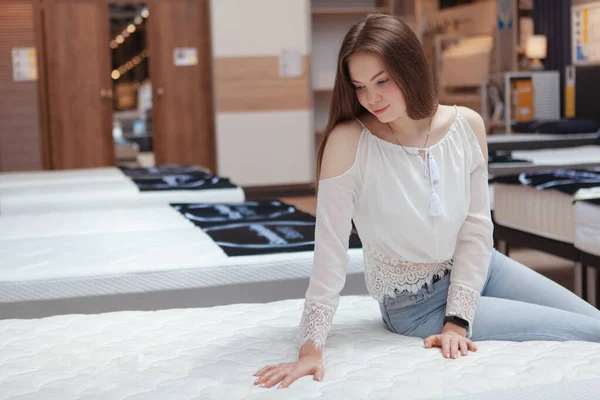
(349,11)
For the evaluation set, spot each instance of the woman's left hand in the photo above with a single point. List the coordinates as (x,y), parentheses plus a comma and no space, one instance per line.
(451,340)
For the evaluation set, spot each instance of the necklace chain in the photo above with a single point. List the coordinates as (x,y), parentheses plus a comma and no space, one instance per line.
(403,148)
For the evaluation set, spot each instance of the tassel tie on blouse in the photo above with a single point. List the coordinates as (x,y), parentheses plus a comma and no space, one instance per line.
(436,208)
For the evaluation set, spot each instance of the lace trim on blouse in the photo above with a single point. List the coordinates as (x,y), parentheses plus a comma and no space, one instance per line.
(462,302)
(387,276)
(316,323)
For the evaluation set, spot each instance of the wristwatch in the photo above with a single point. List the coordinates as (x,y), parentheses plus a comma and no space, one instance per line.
(457,321)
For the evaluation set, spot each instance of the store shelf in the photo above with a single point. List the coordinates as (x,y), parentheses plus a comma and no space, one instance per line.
(497,124)
(348,11)
(460,98)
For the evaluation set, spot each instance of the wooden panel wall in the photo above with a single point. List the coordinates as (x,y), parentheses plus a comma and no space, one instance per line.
(78,70)
(263,120)
(254,84)
(183,115)
(19,116)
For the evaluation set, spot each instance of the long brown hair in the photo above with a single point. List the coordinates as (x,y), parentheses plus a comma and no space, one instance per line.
(391,39)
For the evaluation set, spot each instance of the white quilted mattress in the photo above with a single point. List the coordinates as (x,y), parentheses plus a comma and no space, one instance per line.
(587,230)
(56,177)
(572,157)
(125,262)
(556,157)
(76,196)
(93,255)
(211,353)
(546,213)
(117,220)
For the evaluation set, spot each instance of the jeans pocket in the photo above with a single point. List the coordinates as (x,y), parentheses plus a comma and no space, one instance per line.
(403,301)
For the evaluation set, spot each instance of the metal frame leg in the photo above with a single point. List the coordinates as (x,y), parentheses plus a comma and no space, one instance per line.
(579,280)
(592,281)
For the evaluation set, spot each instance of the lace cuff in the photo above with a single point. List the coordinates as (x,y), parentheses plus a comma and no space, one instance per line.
(462,301)
(316,323)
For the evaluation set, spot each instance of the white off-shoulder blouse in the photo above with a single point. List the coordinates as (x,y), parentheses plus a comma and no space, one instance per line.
(417,217)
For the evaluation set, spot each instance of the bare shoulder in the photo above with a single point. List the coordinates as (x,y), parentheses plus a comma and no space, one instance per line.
(477,126)
(340,150)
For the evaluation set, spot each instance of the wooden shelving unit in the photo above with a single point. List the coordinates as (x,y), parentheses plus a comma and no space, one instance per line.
(322,89)
(349,11)
(546,92)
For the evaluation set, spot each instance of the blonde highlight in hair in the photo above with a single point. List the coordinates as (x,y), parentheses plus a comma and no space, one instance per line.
(391,39)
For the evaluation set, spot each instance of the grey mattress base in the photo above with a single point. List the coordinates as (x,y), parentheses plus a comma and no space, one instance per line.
(248,292)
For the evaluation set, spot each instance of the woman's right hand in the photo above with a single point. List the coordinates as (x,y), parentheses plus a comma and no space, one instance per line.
(287,373)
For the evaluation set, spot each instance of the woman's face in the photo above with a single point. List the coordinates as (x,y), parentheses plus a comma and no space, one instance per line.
(374,87)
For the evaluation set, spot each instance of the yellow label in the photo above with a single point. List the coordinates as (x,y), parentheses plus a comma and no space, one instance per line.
(570,101)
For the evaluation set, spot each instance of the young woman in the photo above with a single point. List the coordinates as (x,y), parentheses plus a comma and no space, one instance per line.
(412,175)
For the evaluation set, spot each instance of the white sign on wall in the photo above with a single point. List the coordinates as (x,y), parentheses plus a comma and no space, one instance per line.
(585,33)
(290,63)
(185,56)
(24,64)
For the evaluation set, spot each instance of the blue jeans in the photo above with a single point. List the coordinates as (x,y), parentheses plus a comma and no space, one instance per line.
(516,304)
